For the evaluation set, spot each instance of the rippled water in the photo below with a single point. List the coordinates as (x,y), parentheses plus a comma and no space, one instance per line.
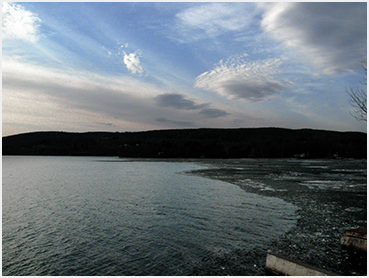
(106,216)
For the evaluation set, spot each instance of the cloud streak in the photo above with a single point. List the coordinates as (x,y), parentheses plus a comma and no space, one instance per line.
(179,101)
(331,35)
(213,113)
(116,98)
(175,123)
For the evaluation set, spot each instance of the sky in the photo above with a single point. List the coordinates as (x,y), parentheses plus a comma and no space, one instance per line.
(139,66)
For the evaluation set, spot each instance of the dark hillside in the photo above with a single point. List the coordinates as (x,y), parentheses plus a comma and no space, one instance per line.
(193,143)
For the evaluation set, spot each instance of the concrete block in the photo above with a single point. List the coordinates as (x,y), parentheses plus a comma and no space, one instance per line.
(353,243)
(359,232)
(282,265)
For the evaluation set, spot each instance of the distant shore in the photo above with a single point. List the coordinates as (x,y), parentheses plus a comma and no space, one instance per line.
(193,143)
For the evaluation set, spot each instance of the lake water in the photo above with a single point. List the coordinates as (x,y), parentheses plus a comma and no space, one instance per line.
(110,216)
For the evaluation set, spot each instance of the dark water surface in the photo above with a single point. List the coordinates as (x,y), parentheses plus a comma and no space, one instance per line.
(107,216)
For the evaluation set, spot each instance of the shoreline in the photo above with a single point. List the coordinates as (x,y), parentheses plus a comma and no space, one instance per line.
(315,239)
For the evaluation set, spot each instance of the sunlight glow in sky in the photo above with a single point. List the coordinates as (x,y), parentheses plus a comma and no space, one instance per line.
(142,66)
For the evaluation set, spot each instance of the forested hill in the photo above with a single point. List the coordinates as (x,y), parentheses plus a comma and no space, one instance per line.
(193,143)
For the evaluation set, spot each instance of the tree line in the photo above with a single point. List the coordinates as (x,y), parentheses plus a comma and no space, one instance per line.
(193,143)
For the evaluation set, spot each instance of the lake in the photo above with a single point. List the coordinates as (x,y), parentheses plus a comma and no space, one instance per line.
(111,216)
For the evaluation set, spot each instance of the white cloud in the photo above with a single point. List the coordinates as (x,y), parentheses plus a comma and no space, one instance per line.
(19,23)
(132,62)
(250,82)
(331,35)
(211,20)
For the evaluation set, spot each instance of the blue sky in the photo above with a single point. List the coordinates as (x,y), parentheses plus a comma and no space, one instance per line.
(142,66)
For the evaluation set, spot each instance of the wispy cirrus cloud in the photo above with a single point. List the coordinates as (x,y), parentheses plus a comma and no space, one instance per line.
(110,97)
(333,36)
(211,20)
(249,81)
(19,23)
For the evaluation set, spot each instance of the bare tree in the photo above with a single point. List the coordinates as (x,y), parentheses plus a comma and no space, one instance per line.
(358,97)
